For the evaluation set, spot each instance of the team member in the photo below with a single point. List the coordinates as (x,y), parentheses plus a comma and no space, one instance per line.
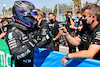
(19,34)
(92,13)
(42,37)
(44,16)
(80,23)
(70,22)
(66,15)
(3,29)
(53,25)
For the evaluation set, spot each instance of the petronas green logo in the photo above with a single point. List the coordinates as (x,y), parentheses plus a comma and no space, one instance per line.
(10,35)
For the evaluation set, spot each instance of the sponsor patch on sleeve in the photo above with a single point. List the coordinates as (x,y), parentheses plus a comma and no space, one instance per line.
(97,36)
(10,36)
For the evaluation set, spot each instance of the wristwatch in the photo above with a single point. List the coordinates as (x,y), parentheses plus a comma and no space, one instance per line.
(67,58)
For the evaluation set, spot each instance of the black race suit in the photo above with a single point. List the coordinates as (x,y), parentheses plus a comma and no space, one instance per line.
(19,44)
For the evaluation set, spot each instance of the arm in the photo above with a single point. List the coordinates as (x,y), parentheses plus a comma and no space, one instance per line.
(73,27)
(72,22)
(45,35)
(2,35)
(79,28)
(56,38)
(93,49)
(90,53)
(42,43)
(73,40)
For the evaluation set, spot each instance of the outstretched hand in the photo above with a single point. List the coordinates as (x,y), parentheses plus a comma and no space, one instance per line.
(63,31)
(64,61)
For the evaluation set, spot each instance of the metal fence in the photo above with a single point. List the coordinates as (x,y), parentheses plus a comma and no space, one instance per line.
(59,11)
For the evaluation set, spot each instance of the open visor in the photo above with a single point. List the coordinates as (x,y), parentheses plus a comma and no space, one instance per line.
(34,13)
(31,14)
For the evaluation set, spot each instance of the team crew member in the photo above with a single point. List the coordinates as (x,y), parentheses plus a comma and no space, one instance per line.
(79,15)
(83,27)
(66,15)
(70,22)
(18,34)
(53,25)
(42,37)
(44,16)
(92,13)
(3,29)
(81,24)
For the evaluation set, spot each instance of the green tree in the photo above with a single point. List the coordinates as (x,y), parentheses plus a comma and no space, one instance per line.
(10,9)
(62,8)
(77,1)
(46,10)
(55,9)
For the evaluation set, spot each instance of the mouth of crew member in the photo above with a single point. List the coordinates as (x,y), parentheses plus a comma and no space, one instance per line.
(5,23)
(90,18)
(79,15)
(51,17)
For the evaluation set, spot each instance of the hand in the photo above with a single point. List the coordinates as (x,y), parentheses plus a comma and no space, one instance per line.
(69,16)
(64,61)
(79,28)
(63,31)
(54,39)
(73,27)
(1,24)
(66,44)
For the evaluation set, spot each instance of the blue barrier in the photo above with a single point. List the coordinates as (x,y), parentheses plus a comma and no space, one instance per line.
(83,63)
(49,58)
